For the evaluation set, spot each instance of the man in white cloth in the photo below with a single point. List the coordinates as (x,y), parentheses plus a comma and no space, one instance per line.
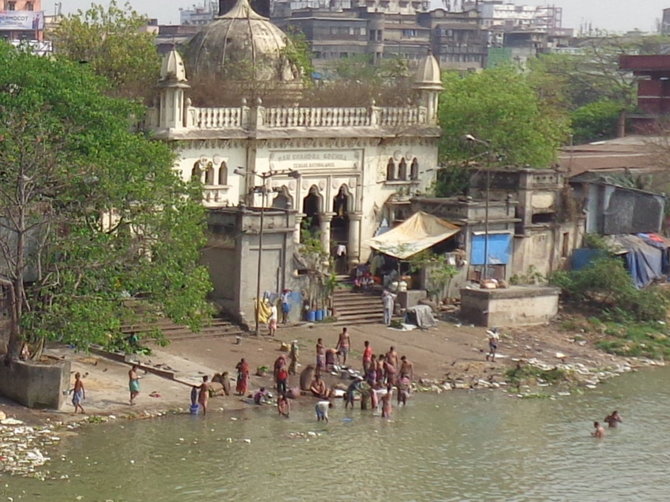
(388,299)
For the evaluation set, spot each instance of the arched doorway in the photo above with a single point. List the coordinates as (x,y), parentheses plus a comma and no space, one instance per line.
(283,200)
(339,229)
(311,207)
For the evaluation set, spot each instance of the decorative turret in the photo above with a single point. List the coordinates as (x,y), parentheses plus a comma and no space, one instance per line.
(172,84)
(428,81)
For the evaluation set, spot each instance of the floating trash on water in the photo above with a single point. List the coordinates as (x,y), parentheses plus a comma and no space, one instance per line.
(247,440)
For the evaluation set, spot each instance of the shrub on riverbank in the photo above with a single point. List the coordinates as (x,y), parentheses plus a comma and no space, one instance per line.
(607,285)
(529,374)
(637,340)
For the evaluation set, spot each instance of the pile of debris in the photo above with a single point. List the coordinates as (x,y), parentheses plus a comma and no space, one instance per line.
(21,447)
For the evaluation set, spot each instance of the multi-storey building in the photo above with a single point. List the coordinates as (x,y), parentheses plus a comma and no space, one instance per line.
(21,20)
(385,29)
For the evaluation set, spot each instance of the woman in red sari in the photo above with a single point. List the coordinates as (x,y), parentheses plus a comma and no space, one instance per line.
(242,377)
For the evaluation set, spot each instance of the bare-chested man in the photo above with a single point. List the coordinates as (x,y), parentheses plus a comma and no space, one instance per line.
(599,431)
(613,419)
(318,387)
(203,394)
(343,344)
(78,393)
(406,368)
(392,356)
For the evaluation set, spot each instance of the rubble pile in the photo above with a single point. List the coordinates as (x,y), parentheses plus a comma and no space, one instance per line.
(21,447)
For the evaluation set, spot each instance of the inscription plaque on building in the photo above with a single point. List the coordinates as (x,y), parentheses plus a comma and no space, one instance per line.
(315,159)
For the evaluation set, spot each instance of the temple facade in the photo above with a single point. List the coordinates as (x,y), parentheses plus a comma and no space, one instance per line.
(334,167)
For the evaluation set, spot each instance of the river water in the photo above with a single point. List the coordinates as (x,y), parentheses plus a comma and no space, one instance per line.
(474,446)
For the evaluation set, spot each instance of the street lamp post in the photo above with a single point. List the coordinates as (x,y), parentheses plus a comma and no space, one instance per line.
(488,153)
(264,192)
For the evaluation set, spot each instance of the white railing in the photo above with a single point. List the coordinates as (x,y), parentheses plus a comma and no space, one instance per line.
(316,117)
(217,118)
(260,117)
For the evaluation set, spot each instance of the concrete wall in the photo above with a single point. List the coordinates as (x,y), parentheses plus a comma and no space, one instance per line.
(515,306)
(35,385)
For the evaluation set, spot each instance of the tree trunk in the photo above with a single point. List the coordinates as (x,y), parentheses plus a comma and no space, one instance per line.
(15,341)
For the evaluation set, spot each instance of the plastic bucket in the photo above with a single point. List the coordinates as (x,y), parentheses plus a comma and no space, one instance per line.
(194,409)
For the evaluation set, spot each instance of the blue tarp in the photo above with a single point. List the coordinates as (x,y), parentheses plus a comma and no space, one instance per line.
(499,249)
(645,261)
(583,257)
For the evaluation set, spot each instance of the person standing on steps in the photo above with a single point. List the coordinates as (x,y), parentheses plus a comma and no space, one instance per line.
(285,305)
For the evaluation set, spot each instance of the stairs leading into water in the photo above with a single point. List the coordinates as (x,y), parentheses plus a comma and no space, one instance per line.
(216,327)
(357,307)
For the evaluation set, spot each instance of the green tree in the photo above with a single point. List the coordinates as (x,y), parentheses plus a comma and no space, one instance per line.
(499,106)
(112,42)
(92,215)
(596,121)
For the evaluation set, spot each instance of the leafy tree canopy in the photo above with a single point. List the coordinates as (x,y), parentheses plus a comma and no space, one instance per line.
(112,42)
(501,107)
(92,214)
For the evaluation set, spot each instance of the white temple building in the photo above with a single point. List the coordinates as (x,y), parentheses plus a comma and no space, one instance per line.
(342,169)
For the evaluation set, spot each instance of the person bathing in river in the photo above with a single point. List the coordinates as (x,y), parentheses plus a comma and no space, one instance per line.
(599,431)
(283,406)
(318,387)
(613,419)
(403,390)
(406,369)
(387,404)
(203,394)
(367,356)
(321,409)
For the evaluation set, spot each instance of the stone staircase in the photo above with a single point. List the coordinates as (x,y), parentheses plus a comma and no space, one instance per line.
(354,307)
(216,327)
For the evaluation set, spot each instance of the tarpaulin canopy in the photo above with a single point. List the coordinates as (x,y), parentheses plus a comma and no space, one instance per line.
(646,256)
(419,232)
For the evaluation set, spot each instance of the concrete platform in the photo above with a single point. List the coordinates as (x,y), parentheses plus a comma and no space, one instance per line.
(513,306)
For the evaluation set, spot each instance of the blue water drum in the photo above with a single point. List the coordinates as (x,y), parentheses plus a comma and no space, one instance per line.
(319,315)
(311,315)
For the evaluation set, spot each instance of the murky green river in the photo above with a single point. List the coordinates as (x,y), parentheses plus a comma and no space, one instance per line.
(455,446)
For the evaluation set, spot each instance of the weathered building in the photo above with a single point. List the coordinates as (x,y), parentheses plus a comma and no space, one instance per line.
(653,90)
(335,167)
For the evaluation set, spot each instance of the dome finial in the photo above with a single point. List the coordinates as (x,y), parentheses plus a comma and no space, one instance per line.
(172,67)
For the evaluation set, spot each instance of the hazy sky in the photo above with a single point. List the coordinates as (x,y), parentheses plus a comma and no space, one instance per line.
(612,15)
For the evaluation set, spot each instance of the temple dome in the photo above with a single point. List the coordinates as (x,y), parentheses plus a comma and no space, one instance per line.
(241,45)
(428,75)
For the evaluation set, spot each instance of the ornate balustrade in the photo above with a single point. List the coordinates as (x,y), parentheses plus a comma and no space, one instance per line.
(244,117)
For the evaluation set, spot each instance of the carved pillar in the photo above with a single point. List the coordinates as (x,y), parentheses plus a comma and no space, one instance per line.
(298,223)
(325,219)
(354,244)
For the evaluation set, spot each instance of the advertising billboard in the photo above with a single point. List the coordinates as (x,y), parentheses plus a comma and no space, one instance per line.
(21,20)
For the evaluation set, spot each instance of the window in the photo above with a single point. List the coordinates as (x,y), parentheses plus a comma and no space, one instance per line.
(402,170)
(565,245)
(390,170)
(209,174)
(29,6)
(11,5)
(223,174)
(196,172)
(414,170)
